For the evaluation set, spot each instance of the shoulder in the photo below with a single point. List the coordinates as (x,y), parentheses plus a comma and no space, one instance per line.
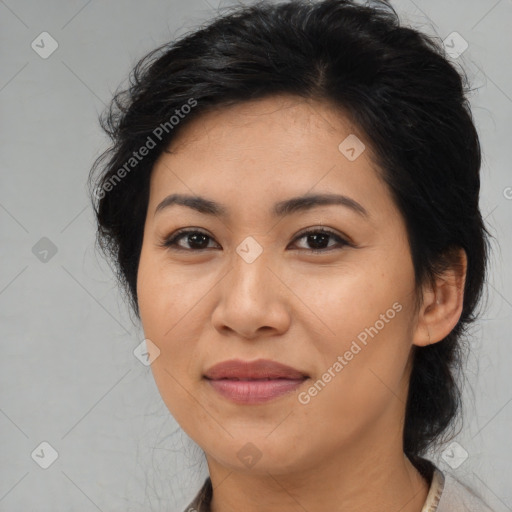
(457,497)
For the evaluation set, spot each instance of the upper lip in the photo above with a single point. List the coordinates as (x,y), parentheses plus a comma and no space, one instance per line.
(259,369)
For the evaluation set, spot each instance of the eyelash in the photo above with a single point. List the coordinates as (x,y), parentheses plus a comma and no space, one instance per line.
(171,242)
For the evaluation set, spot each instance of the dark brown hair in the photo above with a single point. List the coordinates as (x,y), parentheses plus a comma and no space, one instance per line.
(396,84)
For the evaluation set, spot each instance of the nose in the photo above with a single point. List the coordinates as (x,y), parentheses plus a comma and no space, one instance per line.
(253,301)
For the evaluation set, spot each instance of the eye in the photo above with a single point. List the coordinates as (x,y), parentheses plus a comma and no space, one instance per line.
(197,240)
(319,238)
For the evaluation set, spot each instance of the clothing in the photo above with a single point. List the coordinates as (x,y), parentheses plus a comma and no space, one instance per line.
(446,494)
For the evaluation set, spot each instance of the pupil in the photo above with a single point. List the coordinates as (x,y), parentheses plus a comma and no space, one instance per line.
(194,237)
(315,238)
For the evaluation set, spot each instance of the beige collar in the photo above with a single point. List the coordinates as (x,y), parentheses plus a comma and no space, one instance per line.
(435,491)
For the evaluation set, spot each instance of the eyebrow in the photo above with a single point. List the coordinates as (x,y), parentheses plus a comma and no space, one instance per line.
(280,209)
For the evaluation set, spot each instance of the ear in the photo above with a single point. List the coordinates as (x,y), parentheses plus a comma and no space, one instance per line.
(442,303)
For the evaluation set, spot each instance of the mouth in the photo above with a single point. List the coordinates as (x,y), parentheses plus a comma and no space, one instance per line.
(260,369)
(254,381)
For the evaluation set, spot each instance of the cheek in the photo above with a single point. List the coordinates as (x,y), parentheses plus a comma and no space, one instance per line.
(362,374)
(347,303)
(367,311)
(167,296)
(175,311)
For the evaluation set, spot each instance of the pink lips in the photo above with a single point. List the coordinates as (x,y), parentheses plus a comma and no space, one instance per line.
(253,381)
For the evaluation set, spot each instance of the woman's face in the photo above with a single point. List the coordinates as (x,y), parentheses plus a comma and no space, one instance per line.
(249,287)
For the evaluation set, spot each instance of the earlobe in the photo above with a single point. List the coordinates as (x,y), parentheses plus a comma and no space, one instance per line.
(442,302)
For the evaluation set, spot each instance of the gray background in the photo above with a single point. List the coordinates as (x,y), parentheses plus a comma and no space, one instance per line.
(68,374)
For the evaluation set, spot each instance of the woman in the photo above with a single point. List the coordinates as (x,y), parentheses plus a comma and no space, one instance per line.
(291,201)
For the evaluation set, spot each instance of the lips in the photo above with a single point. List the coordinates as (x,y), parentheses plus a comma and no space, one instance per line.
(253,382)
(261,369)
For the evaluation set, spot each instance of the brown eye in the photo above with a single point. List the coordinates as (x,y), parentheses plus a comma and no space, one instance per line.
(197,240)
(318,240)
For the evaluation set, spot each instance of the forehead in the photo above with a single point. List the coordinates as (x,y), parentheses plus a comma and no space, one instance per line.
(268,150)
(291,116)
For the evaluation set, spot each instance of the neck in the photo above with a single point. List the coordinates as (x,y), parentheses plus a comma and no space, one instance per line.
(386,480)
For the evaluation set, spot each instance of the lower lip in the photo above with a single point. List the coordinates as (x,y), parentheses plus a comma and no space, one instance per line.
(254,391)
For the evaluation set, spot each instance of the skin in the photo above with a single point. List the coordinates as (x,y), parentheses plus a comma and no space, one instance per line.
(343,449)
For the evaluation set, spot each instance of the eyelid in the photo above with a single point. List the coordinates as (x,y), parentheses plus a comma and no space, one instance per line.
(170,242)
(345,240)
